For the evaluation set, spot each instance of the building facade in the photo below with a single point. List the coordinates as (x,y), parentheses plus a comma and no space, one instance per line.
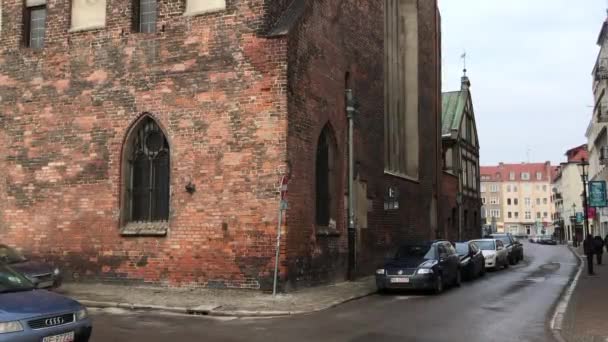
(524,206)
(597,136)
(567,190)
(491,199)
(146,141)
(461,163)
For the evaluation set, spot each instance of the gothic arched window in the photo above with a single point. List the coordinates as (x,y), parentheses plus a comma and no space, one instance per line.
(147,174)
(324,178)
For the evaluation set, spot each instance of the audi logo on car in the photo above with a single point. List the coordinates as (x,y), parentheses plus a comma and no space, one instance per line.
(53,321)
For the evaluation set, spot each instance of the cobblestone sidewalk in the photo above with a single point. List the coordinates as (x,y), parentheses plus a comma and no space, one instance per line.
(586,319)
(218,302)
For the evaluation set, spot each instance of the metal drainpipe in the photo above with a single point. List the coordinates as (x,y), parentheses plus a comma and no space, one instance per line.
(459,204)
(350,113)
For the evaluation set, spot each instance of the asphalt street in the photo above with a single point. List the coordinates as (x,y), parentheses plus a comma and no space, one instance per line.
(506,305)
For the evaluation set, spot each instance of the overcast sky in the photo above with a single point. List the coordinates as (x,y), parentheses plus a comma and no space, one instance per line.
(530,65)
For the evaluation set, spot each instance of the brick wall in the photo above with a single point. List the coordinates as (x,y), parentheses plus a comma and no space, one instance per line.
(330,41)
(449,207)
(214,85)
(413,221)
(237,109)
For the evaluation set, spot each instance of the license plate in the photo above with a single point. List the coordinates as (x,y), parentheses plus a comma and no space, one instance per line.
(67,337)
(44,284)
(400,280)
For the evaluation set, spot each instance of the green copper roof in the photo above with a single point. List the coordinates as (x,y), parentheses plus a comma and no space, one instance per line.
(453,104)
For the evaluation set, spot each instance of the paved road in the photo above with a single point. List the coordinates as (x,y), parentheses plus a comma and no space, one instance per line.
(508,305)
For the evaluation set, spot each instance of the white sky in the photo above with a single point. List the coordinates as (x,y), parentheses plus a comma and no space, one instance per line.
(530,65)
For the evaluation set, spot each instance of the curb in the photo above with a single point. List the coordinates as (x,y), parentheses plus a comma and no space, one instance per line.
(217,311)
(561,307)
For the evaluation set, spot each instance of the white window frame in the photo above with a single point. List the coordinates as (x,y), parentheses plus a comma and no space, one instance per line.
(511,175)
(494,200)
(528,215)
(77,23)
(525,175)
(539,176)
(196,7)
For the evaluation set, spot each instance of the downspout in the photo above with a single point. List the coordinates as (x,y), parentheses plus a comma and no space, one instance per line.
(350,113)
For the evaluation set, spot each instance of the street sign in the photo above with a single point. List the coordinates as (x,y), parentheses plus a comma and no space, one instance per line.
(283,188)
(284,205)
(579,217)
(597,194)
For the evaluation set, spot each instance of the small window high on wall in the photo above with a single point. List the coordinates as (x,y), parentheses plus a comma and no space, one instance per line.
(34,23)
(203,6)
(144,15)
(88,14)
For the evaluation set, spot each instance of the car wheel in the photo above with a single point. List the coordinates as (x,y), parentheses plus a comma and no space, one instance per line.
(458,280)
(512,261)
(438,284)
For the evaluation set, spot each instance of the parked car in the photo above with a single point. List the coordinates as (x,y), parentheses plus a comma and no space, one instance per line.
(41,274)
(494,252)
(472,262)
(31,314)
(547,240)
(424,266)
(514,247)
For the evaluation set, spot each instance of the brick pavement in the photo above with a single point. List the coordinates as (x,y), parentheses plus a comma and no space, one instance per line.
(586,319)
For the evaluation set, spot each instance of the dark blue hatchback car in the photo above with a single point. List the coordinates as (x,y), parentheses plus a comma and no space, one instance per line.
(28,314)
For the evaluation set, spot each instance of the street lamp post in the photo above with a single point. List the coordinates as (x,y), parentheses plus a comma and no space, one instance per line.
(582,168)
(572,232)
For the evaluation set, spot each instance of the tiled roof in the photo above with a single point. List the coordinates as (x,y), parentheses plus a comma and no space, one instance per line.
(577,154)
(453,104)
(502,172)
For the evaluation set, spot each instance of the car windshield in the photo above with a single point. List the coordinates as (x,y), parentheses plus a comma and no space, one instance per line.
(416,251)
(485,245)
(505,239)
(462,248)
(11,281)
(10,255)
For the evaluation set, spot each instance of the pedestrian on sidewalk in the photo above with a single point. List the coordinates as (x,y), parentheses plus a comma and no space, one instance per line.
(598,245)
(588,249)
(606,242)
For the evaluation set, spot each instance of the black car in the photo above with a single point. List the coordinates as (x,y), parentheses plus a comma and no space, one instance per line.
(514,247)
(42,275)
(547,240)
(424,266)
(472,262)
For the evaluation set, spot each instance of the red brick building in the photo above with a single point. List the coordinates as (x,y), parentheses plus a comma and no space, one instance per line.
(144,141)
